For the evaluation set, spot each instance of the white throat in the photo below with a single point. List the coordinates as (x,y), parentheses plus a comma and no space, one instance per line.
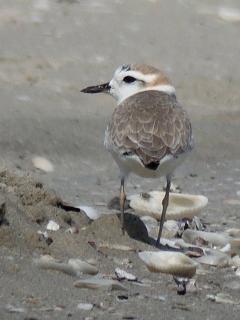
(121,96)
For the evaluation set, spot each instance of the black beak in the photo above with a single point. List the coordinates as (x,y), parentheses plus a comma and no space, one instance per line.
(105,87)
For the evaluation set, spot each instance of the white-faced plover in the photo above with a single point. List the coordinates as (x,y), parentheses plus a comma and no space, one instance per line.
(150,133)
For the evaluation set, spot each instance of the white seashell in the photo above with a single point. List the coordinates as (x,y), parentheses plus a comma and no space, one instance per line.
(120,247)
(214,257)
(91,212)
(85,306)
(74,267)
(42,164)
(97,283)
(81,266)
(122,275)
(174,263)
(180,205)
(52,226)
(151,225)
(170,229)
(229,14)
(217,239)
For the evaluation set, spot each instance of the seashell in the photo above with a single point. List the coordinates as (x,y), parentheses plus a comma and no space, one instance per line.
(174,263)
(214,257)
(122,275)
(120,247)
(42,164)
(91,212)
(85,306)
(150,223)
(52,226)
(170,229)
(98,283)
(82,267)
(180,205)
(74,267)
(181,245)
(217,239)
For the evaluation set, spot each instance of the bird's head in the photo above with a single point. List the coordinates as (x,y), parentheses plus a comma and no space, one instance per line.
(131,79)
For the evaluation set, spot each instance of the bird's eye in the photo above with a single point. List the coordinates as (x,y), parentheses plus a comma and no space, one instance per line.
(129,79)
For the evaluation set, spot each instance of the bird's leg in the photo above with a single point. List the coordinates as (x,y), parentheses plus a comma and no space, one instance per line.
(164,209)
(122,204)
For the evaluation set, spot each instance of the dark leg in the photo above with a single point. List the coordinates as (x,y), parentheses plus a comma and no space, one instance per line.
(122,203)
(164,209)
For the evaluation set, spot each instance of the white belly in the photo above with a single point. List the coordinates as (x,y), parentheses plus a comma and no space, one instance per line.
(132,164)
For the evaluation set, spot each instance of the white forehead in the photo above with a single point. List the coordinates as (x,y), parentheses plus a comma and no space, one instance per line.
(123,71)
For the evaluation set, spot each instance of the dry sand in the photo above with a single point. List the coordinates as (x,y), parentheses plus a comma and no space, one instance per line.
(49,51)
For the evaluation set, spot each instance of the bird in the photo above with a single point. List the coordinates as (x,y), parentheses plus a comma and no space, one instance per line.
(150,133)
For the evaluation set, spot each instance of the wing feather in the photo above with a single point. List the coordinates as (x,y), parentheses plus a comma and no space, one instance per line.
(150,124)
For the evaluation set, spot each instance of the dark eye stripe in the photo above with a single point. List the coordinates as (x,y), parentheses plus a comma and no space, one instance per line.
(129,79)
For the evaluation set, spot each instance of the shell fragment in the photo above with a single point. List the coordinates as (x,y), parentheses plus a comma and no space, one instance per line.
(122,275)
(180,205)
(170,262)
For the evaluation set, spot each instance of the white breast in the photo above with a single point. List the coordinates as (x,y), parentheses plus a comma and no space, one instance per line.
(132,164)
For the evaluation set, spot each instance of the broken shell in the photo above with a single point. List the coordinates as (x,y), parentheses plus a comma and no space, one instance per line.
(91,212)
(113,246)
(122,275)
(82,267)
(74,267)
(180,205)
(97,283)
(170,229)
(217,239)
(52,226)
(174,263)
(151,224)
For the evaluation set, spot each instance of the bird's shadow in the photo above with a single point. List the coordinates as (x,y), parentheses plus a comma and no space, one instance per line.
(136,229)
